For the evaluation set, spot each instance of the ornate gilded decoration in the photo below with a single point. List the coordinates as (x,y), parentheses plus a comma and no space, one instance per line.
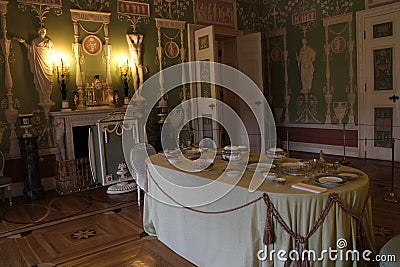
(307,108)
(133,12)
(171,9)
(92,5)
(276,17)
(331,8)
(41,8)
(180,26)
(221,13)
(92,44)
(304,15)
(338,45)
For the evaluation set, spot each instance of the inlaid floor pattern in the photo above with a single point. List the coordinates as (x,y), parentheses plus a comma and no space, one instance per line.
(103,238)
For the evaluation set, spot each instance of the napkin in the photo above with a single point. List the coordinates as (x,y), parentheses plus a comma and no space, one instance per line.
(309,188)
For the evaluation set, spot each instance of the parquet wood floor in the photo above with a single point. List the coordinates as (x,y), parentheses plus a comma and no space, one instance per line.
(57,230)
(95,229)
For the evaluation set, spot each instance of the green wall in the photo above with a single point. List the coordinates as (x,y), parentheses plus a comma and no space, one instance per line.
(253,15)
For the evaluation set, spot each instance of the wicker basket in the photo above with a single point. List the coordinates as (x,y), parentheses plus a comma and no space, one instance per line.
(73,176)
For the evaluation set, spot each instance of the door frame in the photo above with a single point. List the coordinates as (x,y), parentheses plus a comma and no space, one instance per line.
(361,17)
(218,31)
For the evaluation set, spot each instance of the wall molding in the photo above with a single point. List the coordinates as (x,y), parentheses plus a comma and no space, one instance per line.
(316,148)
(318,126)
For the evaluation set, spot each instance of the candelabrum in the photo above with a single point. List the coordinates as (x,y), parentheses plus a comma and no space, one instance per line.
(125,75)
(62,68)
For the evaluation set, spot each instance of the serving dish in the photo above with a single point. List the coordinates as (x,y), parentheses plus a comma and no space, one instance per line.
(279,180)
(276,153)
(293,168)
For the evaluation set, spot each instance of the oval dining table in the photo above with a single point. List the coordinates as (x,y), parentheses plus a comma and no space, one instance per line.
(186,212)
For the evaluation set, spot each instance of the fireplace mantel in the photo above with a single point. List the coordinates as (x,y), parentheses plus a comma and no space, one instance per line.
(64,121)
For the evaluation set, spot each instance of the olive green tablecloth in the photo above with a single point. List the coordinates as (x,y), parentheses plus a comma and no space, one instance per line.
(235,238)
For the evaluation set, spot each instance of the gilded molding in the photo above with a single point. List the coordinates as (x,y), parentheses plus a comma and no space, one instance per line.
(87,15)
(169,23)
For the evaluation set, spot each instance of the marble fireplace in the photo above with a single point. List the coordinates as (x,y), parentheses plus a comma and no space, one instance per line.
(67,123)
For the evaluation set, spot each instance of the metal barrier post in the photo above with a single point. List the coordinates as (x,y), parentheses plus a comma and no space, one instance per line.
(391,197)
(344,162)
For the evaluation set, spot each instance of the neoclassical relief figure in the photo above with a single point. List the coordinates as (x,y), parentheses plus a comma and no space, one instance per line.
(305,61)
(137,68)
(40,56)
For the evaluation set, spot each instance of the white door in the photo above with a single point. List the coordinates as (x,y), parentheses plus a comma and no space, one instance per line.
(205,50)
(380,65)
(249,58)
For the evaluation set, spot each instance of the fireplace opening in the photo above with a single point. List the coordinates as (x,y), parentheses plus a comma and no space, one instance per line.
(80,137)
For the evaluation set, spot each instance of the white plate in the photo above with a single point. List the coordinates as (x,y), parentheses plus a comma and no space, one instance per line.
(275,150)
(279,180)
(330,180)
(260,167)
(232,173)
(231,148)
(270,174)
(173,160)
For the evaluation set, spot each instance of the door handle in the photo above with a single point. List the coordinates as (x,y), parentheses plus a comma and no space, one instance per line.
(394,98)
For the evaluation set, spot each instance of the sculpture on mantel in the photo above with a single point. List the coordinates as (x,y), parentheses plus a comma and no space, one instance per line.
(305,60)
(137,69)
(40,55)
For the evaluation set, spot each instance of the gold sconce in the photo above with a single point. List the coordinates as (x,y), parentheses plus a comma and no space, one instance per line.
(125,75)
(62,68)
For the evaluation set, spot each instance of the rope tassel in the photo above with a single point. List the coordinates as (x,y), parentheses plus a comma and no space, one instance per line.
(301,261)
(268,231)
